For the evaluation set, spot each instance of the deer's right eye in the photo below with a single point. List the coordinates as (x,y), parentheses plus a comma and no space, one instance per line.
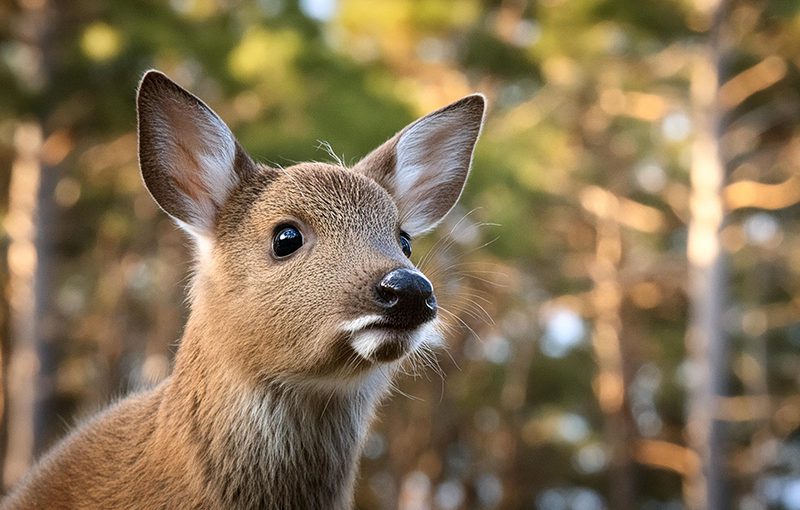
(405,243)
(286,240)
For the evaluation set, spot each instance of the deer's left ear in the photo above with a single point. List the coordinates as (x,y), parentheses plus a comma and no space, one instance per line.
(189,159)
(425,166)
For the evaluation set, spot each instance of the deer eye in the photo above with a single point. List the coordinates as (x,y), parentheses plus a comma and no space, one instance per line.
(405,243)
(286,240)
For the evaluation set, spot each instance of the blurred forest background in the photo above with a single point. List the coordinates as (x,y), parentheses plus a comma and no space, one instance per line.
(622,271)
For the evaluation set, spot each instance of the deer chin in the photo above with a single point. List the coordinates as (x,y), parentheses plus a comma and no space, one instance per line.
(378,343)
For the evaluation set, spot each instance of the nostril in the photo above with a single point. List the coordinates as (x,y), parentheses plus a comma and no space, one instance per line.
(431,302)
(387,294)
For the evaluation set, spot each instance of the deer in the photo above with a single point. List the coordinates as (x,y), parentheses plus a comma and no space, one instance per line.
(303,305)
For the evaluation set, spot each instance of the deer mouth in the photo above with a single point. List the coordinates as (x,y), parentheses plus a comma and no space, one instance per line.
(390,349)
(383,341)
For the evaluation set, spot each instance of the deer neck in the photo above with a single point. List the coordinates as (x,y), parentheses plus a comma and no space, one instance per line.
(272,444)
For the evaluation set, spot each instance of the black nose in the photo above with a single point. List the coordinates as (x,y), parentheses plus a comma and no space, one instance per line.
(407,298)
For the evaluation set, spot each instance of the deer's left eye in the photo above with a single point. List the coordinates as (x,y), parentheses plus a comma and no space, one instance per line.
(287,240)
(405,243)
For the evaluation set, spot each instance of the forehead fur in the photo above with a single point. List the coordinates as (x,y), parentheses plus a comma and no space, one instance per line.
(327,197)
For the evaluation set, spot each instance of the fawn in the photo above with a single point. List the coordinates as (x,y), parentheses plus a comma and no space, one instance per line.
(303,305)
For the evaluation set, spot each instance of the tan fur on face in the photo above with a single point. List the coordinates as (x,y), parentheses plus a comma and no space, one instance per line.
(262,299)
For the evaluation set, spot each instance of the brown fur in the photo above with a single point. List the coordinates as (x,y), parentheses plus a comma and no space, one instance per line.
(270,398)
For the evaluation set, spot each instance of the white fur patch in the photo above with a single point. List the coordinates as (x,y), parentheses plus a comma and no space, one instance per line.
(353,325)
(428,334)
(365,343)
(203,243)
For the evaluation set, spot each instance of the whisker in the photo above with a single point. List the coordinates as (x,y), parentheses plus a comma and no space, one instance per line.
(328,401)
(449,241)
(484,280)
(484,245)
(450,355)
(470,272)
(394,387)
(459,319)
(462,255)
(436,246)
(431,361)
(477,263)
(475,311)
(472,314)
(471,299)
(436,249)
(475,295)
(351,363)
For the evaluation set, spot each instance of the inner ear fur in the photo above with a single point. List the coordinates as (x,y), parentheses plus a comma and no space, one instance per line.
(425,166)
(189,159)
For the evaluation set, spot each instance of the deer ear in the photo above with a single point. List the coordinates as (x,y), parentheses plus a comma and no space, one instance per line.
(190,160)
(425,166)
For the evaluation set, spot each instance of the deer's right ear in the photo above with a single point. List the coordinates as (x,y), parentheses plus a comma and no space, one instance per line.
(190,160)
(424,166)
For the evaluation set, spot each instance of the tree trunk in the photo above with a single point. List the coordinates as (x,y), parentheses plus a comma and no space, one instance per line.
(707,345)
(22,263)
(32,227)
(612,379)
(5,310)
(611,382)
